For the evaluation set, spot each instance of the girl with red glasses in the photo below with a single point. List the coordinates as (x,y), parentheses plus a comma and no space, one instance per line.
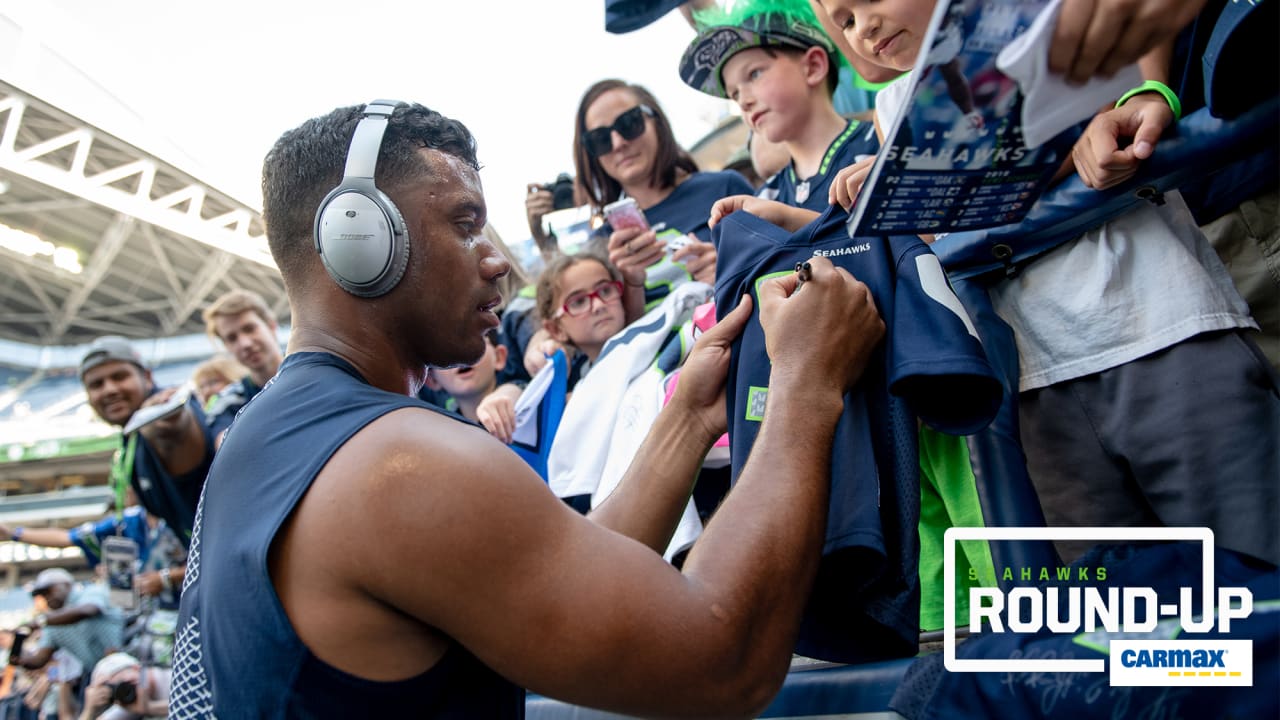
(580,303)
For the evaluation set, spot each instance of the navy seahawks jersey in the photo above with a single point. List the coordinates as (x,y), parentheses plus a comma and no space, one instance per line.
(237,655)
(688,207)
(931,366)
(222,408)
(857,141)
(168,497)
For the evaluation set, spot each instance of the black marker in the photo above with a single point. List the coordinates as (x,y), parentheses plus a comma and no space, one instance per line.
(804,273)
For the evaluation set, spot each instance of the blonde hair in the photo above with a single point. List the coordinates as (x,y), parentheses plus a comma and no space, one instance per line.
(515,280)
(220,366)
(233,303)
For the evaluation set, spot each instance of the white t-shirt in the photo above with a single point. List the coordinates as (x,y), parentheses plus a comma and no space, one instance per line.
(1124,290)
(612,409)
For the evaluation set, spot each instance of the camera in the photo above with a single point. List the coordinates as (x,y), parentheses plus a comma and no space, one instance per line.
(124,693)
(561,192)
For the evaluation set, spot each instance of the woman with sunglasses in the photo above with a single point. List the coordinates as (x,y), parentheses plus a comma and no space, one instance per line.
(624,147)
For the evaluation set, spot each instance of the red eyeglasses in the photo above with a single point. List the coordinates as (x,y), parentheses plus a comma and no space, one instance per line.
(579,303)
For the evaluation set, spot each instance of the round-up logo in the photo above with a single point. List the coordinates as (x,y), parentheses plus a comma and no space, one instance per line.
(351,213)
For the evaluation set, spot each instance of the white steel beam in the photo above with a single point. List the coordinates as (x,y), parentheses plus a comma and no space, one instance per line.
(97,268)
(230,231)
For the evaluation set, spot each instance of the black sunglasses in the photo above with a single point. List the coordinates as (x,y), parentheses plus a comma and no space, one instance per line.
(630,125)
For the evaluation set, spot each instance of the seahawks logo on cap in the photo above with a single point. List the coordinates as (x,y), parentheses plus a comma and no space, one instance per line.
(699,68)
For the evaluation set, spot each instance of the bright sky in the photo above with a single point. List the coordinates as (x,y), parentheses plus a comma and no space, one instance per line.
(222,80)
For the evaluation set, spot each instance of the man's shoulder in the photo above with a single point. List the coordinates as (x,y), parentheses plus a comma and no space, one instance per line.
(422,423)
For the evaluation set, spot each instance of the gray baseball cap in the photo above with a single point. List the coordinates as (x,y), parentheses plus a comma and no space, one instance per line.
(50,577)
(109,348)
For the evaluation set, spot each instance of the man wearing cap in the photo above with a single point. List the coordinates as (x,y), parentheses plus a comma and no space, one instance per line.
(166,460)
(79,621)
(121,689)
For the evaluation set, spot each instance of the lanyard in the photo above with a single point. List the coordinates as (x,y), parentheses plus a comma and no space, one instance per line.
(122,470)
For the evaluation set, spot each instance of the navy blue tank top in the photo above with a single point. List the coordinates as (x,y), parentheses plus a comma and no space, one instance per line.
(237,654)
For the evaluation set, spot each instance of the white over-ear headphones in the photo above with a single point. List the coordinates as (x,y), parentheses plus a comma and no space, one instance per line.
(359,232)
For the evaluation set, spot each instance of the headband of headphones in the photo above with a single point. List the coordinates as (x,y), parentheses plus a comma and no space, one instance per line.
(359,232)
(362,157)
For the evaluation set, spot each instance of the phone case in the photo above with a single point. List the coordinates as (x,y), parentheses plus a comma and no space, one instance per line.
(120,555)
(625,214)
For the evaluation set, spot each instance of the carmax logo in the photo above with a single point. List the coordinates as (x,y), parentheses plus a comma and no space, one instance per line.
(1182,662)
(1132,662)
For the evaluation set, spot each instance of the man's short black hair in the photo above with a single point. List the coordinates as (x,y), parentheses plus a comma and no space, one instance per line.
(307,162)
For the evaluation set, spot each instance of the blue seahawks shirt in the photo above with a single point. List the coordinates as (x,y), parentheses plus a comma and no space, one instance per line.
(222,408)
(931,365)
(858,140)
(172,499)
(685,210)
(132,523)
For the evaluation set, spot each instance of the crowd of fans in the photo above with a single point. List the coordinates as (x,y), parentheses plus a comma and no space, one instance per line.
(1180,353)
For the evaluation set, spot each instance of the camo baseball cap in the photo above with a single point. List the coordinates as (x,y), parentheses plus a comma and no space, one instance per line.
(703,62)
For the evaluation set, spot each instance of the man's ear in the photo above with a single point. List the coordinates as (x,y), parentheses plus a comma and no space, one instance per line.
(500,356)
(816,64)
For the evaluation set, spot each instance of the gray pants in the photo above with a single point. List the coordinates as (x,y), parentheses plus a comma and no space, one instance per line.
(1187,436)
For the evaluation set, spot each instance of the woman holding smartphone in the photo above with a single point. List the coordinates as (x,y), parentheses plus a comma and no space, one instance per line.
(624,149)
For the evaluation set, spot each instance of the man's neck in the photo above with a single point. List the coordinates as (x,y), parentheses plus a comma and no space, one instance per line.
(810,146)
(377,360)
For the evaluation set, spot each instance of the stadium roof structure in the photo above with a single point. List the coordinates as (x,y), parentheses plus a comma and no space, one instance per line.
(99,236)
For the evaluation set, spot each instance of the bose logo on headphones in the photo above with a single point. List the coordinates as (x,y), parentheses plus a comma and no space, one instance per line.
(359,232)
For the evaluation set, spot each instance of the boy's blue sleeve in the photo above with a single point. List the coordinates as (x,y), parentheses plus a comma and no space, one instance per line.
(88,537)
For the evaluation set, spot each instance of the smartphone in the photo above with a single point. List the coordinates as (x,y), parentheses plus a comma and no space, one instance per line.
(120,555)
(675,242)
(151,413)
(625,213)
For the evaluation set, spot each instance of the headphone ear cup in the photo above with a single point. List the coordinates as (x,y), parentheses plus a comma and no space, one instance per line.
(362,240)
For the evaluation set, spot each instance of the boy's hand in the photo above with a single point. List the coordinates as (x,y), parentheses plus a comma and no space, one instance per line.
(540,348)
(539,354)
(497,412)
(785,216)
(1098,37)
(1098,156)
(632,250)
(699,259)
(848,183)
